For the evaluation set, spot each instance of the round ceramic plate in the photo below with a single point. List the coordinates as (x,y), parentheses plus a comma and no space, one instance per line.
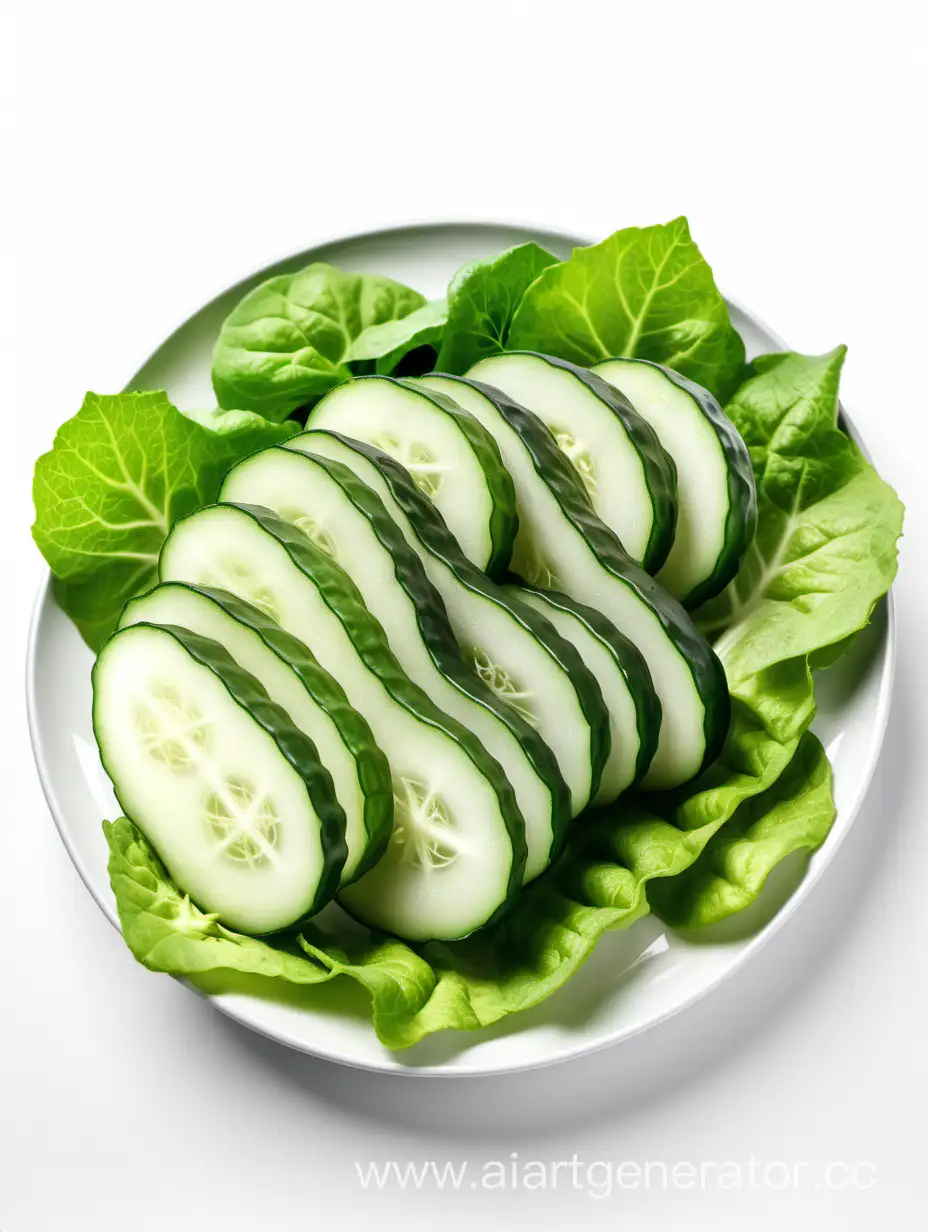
(635,978)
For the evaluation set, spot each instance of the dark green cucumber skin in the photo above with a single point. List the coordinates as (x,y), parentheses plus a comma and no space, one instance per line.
(630,662)
(504,522)
(372,767)
(741,521)
(558,473)
(436,632)
(659,469)
(343,599)
(437,539)
(294,744)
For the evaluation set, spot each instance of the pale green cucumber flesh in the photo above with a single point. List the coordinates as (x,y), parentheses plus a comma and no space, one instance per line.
(231,794)
(717,500)
(451,458)
(315,702)
(627,475)
(633,706)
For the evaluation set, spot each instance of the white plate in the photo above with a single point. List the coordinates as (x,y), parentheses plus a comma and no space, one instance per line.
(636,978)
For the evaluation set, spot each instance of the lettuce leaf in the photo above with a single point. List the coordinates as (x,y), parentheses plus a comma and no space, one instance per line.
(119,474)
(828,525)
(824,553)
(482,300)
(289,340)
(166,932)
(381,348)
(643,292)
(794,814)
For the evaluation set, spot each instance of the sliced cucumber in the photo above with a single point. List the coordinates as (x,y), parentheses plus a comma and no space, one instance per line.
(628,477)
(458,846)
(340,512)
(563,545)
(295,681)
(457,466)
(634,709)
(517,652)
(717,501)
(231,794)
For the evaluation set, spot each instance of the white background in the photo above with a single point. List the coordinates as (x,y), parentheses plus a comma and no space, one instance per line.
(153,153)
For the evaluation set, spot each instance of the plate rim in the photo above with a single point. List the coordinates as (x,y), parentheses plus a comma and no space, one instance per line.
(824,854)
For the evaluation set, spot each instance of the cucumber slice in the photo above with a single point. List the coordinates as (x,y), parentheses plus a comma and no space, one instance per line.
(231,794)
(457,466)
(563,545)
(342,514)
(628,477)
(717,501)
(457,851)
(634,709)
(516,651)
(314,701)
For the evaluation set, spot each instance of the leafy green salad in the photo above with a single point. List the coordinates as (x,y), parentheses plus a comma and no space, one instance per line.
(462,631)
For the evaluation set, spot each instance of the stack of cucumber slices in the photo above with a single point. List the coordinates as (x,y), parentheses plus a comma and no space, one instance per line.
(411,647)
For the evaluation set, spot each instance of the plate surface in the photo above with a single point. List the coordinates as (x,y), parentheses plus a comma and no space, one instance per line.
(636,978)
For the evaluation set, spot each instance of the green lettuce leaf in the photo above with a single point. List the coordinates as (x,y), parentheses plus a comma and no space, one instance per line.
(794,814)
(119,474)
(824,554)
(380,348)
(289,340)
(828,525)
(166,932)
(482,300)
(643,292)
